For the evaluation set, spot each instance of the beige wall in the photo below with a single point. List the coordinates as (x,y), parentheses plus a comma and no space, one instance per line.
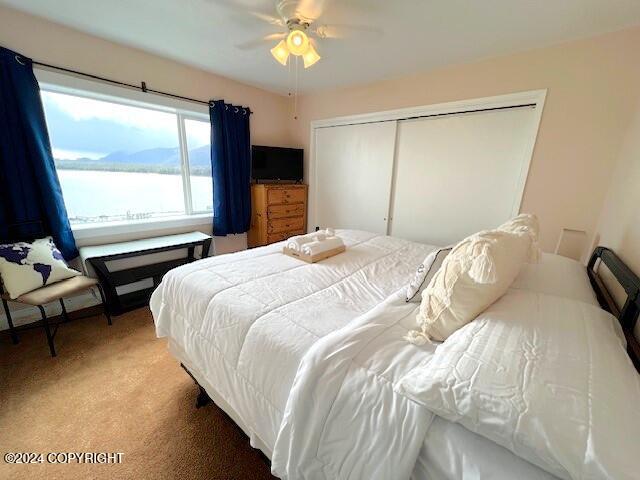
(52,43)
(592,86)
(58,45)
(619,225)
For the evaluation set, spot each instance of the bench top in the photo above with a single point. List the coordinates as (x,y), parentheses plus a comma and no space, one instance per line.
(141,246)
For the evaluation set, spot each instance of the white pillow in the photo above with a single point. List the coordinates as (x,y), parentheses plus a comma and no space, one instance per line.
(556,275)
(27,266)
(477,272)
(425,272)
(544,376)
(526,223)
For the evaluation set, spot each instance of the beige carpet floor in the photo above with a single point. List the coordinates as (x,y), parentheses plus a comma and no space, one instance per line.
(114,389)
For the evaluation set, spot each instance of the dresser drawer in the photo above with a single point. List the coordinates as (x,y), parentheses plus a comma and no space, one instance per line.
(286,195)
(285,224)
(287,210)
(278,211)
(278,237)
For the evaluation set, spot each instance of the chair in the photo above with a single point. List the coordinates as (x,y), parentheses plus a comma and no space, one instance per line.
(48,294)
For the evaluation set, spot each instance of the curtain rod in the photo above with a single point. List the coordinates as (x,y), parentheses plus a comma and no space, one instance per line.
(142,87)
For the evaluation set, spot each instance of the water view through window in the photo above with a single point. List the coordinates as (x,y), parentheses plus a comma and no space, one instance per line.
(121,162)
(198,143)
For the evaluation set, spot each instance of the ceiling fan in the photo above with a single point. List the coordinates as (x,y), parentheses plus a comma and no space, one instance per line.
(300,31)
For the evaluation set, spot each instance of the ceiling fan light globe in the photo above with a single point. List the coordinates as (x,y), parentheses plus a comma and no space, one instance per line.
(280,52)
(297,42)
(310,57)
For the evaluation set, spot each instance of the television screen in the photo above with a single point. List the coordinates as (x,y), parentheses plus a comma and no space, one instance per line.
(276,163)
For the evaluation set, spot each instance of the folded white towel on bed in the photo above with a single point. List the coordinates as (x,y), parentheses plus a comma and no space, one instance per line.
(320,246)
(296,243)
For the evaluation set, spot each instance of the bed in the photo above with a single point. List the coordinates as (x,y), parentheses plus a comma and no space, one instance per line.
(282,345)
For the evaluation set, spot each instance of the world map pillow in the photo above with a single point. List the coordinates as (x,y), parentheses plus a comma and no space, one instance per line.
(26,266)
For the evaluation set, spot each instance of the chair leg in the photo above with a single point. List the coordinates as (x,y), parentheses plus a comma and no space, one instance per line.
(65,315)
(104,305)
(47,331)
(12,330)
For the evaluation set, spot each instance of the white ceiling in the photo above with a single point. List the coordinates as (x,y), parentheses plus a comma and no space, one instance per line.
(416,35)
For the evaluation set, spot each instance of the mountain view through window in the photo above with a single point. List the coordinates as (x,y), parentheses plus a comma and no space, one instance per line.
(120,162)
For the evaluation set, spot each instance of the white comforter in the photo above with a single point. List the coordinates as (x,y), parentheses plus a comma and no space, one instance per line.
(246,320)
(544,376)
(343,419)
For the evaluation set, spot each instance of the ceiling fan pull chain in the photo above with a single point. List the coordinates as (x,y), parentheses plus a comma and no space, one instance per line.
(295,95)
(289,80)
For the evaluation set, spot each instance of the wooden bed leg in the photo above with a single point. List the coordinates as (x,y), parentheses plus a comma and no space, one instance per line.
(203,398)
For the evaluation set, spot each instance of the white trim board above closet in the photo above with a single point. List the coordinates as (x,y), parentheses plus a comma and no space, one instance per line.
(431,174)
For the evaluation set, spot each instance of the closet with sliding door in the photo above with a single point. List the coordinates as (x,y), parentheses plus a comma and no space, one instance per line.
(430,174)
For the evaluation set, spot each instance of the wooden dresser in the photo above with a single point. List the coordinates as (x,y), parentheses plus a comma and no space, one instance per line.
(277,212)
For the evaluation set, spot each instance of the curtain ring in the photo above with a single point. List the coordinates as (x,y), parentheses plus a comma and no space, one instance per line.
(18,60)
(236,110)
(226,107)
(244,111)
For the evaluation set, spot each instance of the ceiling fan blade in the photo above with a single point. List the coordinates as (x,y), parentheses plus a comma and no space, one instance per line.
(258,42)
(309,10)
(245,9)
(344,31)
(270,19)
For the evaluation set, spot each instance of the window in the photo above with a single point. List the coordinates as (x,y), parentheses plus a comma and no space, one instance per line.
(198,135)
(120,161)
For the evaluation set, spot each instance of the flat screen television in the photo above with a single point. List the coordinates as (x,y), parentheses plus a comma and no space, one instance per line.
(271,164)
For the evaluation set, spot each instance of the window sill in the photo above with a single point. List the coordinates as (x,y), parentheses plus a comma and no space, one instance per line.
(83,232)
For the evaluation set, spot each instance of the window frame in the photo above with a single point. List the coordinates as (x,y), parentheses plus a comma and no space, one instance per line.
(182,117)
(54,82)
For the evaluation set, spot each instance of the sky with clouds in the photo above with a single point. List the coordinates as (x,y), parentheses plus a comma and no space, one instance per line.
(88,128)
